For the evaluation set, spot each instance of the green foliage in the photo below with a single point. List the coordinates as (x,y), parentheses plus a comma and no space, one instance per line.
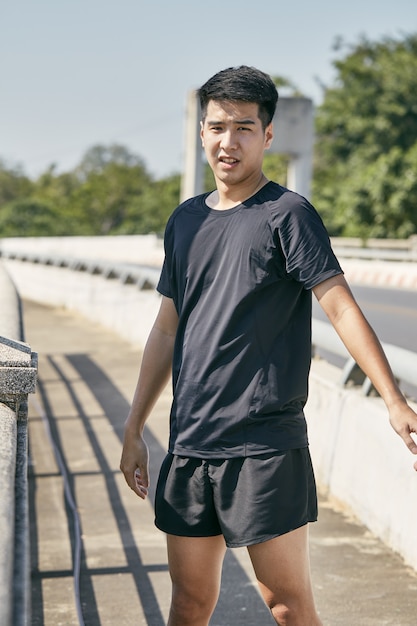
(29,218)
(110,192)
(366,142)
(275,167)
(149,211)
(208,181)
(13,184)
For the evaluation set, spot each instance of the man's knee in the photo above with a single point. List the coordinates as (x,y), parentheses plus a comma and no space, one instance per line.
(191,607)
(293,614)
(283,614)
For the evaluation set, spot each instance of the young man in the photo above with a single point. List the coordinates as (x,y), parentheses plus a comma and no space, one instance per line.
(234,326)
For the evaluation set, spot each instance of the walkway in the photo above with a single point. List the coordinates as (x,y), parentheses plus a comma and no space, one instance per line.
(85,519)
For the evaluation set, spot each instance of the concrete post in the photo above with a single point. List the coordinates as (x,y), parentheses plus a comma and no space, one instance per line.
(192,178)
(294,135)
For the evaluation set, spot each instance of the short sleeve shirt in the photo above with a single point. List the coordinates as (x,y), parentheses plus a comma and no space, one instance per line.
(241,282)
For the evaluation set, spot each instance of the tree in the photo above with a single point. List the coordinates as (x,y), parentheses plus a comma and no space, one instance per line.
(149,211)
(366,141)
(24,218)
(13,184)
(98,157)
(109,192)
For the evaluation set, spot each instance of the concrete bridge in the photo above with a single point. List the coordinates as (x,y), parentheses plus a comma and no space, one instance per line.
(96,556)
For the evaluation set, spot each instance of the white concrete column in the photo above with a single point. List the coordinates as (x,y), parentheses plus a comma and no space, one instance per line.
(294,135)
(192,177)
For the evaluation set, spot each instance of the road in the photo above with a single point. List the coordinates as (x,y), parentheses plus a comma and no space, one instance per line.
(391,312)
(393,315)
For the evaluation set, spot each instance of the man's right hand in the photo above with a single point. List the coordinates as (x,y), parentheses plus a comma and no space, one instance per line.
(135,464)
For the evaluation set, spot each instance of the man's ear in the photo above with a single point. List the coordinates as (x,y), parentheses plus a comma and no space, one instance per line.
(269,135)
(202,133)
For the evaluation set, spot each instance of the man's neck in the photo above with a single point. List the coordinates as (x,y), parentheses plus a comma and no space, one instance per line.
(226,197)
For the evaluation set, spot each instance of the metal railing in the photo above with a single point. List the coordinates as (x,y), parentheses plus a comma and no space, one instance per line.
(400,250)
(403,362)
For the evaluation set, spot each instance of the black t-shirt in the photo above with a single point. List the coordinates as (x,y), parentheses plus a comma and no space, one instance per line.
(241,280)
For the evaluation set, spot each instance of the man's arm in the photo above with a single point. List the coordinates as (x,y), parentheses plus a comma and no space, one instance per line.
(154,375)
(359,338)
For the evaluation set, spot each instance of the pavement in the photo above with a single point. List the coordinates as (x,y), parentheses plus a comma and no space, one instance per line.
(97,558)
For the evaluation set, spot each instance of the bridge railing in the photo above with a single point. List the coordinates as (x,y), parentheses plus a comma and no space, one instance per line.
(403,362)
(376,249)
(18,367)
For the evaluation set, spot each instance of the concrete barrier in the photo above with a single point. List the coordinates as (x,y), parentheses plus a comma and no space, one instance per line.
(142,249)
(357,456)
(361,461)
(125,309)
(18,366)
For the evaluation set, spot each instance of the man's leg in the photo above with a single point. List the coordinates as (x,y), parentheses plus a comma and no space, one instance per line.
(195,565)
(282,568)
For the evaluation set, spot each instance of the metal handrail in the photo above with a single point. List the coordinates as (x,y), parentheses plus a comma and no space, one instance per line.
(403,362)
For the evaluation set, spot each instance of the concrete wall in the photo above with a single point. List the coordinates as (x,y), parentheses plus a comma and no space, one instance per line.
(357,456)
(142,249)
(17,378)
(359,459)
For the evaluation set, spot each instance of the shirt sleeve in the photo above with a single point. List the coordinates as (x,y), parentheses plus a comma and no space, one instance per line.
(305,243)
(164,283)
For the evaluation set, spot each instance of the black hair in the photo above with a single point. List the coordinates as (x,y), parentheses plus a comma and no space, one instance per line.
(241,83)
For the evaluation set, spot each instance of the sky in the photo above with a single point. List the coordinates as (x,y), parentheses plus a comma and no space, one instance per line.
(77,73)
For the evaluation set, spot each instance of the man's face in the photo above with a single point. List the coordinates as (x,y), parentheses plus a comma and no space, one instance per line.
(234,141)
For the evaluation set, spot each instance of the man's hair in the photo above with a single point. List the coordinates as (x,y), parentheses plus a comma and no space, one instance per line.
(243,83)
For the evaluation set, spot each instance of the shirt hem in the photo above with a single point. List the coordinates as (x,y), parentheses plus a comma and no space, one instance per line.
(244,450)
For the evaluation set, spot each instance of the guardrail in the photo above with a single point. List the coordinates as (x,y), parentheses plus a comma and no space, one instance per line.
(403,362)
(144,276)
(376,249)
(18,367)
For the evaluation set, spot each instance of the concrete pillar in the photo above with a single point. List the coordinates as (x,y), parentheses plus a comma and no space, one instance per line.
(192,178)
(294,135)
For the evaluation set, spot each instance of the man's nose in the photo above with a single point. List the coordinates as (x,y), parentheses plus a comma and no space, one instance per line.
(228,140)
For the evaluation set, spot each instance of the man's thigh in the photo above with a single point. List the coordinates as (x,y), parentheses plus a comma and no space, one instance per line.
(282,567)
(195,565)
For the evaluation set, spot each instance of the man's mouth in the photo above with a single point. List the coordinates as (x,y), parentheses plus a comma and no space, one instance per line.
(228,160)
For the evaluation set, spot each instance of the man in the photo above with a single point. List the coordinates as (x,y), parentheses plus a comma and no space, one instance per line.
(234,325)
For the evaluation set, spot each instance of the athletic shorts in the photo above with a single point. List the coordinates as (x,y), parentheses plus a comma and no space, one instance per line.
(248,500)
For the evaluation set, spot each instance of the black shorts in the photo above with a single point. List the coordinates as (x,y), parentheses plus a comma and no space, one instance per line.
(247,500)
